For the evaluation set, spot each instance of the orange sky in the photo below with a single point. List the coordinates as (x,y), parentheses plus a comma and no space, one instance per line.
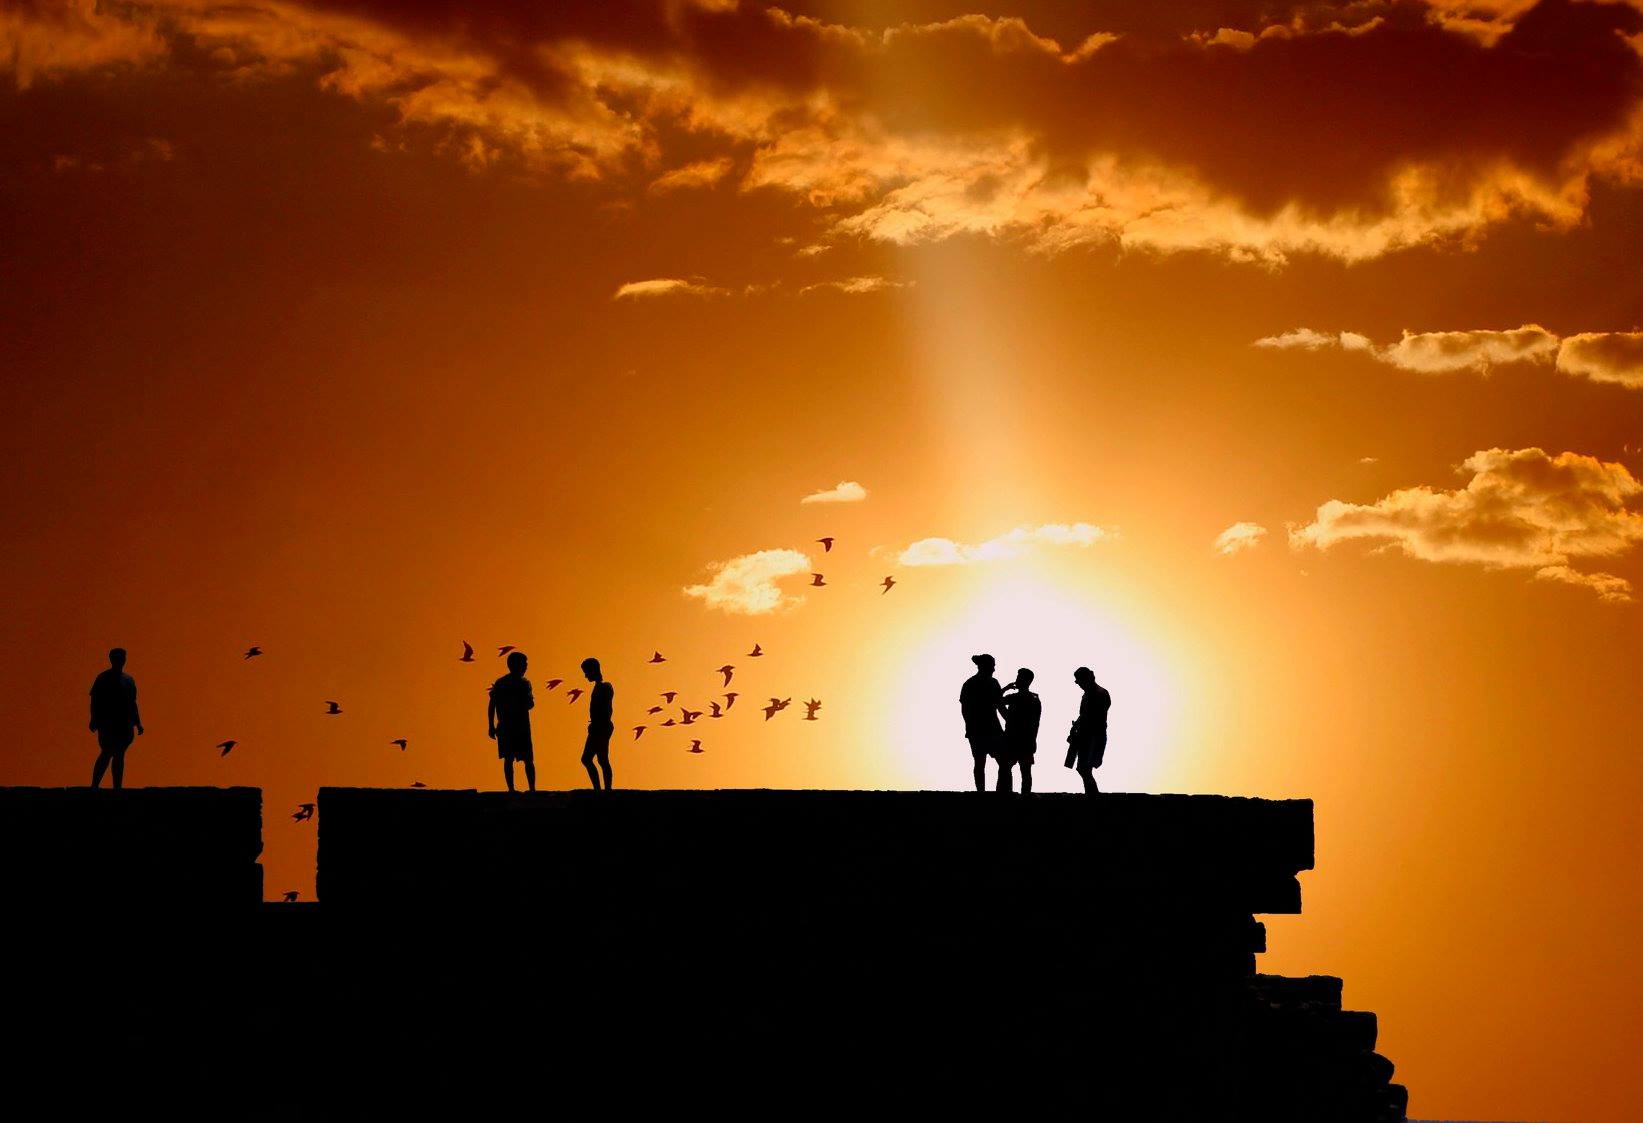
(357,330)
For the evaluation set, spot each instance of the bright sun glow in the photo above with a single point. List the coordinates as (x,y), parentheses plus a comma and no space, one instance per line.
(1027,622)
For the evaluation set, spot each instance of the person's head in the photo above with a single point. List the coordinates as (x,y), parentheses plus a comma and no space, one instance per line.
(517,662)
(1023,678)
(590,669)
(1084,677)
(984,663)
(117,658)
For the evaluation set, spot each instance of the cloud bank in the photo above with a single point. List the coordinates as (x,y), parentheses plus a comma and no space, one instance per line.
(1047,144)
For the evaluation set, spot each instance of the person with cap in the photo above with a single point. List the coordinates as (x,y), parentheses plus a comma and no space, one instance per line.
(981,700)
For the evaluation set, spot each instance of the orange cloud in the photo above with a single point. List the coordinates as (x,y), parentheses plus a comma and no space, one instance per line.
(1237,538)
(845,491)
(1030,141)
(666,286)
(1012,544)
(1614,357)
(748,585)
(1521,509)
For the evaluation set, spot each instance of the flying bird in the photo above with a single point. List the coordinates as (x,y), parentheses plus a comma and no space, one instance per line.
(253,651)
(332,709)
(826,545)
(730,701)
(777,705)
(227,746)
(657,657)
(727,671)
(810,709)
(695,747)
(418,784)
(888,583)
(654,710)
(690,716)
(467,652)
(638,732)
(816,581)
(303,812)
(401,742)
(290,896)
(756,652)
(668,723)
(669,695)
(551,683)
(503,650)
(573,694)
(714,710)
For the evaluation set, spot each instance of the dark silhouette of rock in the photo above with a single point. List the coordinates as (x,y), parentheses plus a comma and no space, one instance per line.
(781,952)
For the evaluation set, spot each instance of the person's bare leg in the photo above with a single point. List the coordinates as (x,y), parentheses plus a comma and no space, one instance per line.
(530,774)
(1026,778)
(99,768)
(604,766)
(587,762)
(117,770)
(1004,784)
(507,771)
(981,772)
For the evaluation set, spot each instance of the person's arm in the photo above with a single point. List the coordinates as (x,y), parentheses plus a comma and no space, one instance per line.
(136,718)
(490,717)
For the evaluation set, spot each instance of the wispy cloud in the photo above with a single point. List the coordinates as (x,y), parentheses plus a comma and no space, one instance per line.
(747,585)
(856,286)
(1014,543)
(1238,537)
(667,286)
(845,491)
(1601,356)
(700,173)
(1520,509)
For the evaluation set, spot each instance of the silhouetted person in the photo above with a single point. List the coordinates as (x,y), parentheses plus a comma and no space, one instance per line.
(1022,710)
(509,718)
(981,700)
(113,716)
(1087,740)
(600,724)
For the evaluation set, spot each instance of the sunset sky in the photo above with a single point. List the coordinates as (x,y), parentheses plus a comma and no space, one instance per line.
(1282,363)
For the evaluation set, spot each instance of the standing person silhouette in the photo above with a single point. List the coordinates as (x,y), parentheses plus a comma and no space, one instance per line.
(509,719)
(113,716)
(600,724)
(1022,710)
(981,701)
(1087,740)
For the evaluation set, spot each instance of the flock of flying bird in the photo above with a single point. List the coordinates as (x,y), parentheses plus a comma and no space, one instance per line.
(687,716)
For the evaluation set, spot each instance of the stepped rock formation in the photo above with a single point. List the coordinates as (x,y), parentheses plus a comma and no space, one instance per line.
(779,953)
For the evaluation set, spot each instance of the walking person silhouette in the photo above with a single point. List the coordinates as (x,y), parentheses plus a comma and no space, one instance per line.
(113,716)
(1022,710)
(1087,739)
(600,724)
(509,719)
(981,701)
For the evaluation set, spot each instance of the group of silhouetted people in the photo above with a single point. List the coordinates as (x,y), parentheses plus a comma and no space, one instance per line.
(1014,743)
(999,722)
(508,717)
